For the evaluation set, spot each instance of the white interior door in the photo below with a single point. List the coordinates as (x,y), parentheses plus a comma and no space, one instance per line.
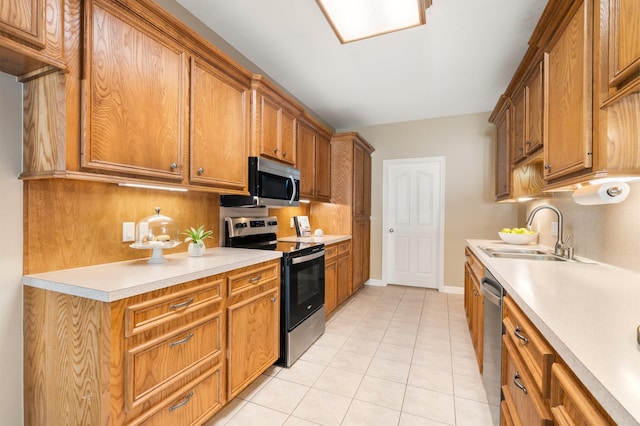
(413,223)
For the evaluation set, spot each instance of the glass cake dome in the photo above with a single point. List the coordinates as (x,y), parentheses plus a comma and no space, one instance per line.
(156,232)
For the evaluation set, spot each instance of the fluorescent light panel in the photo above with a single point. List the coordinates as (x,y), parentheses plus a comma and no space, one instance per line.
(357,19)
(145,186)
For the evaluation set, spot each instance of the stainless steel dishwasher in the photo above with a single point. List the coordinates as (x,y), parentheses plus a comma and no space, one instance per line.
(492,344)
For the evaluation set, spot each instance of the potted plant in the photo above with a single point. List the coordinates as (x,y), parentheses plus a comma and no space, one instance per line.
(195,238)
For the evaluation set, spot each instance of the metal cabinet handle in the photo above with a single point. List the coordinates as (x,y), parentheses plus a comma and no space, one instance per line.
(284,153)
(517,377)
(181,305)
(200,170)
(547,166)
(520,149)
(273,299)
(174,166)
(275,150)
(181,341)
(516,333)
(181,403)
(528,142)
(255,279)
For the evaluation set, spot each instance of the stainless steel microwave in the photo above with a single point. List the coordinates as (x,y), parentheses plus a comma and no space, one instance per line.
(270,184)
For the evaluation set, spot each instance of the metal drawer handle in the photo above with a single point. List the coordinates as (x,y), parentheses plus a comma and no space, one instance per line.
(518,384)
(181,403)
(181,305)
(181,341)
(517,331)
(255,279)
(273,300)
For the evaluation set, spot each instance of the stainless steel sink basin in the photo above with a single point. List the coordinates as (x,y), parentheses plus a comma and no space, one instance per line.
(525,253)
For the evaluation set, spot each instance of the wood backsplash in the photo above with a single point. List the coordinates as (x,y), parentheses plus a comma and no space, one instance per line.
(69,223)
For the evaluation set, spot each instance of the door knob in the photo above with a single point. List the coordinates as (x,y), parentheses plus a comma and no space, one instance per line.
(391,230)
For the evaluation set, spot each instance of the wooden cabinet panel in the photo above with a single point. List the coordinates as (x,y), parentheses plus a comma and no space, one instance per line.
(253,335)
(477,323)
(219,128)
(624,41)
(503,161)
(568,141)
(24,20)
(330,285)
(306,160)
(158,363)
(571,404)
(135,96)
(519,390)
(288,137)
(323,168)
(536,96)
(358,181)
(535,352)
(189,406)
(344,279)
(519,125)
(259,278)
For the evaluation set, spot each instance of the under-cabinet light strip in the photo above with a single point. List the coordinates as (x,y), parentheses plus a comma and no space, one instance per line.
(145,186)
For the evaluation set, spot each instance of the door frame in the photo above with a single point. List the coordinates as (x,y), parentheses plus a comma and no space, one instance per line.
(385,226)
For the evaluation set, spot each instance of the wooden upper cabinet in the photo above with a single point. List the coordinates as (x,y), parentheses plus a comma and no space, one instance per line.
(219,127)
(568,140)
(519,125)
(313,155)
(135,94)
(31,36)
(624,41)
(536,105)
(503,163)
(274,122)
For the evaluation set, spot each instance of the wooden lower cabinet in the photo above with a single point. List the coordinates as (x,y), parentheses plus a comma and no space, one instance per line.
(538,387)
(253,326)
(171,356)
(474,303)
(337,283)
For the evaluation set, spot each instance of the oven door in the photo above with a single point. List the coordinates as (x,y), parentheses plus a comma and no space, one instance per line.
(303,287)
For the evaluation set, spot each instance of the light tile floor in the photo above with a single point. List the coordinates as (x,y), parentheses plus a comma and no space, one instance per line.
(390,356)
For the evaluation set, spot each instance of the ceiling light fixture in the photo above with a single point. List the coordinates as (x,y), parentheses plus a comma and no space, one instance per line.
(353,20)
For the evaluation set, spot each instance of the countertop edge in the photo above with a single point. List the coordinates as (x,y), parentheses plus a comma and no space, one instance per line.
(193,269)
(326,239)
(616,410)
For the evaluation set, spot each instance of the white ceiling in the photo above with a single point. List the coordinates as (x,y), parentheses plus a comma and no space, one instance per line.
(458,63)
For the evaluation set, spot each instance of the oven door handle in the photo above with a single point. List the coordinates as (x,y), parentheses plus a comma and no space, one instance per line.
(307,258)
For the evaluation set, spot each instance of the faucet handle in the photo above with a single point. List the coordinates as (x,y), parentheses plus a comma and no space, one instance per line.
(567,250)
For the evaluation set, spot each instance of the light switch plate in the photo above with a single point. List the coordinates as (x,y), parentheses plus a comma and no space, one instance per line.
(128,231)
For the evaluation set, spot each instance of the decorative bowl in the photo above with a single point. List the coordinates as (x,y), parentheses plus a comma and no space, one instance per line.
(518,238)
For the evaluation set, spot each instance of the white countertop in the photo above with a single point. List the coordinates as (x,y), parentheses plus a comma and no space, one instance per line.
(113,281)
(589,313)
(326,239)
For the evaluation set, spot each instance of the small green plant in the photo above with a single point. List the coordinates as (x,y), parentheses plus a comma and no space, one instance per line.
(197,236)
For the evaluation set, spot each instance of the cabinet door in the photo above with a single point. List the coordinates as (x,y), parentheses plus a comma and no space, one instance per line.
(219,118)
(288,130)
(268,128)
(253,338)
(503,165)
(322,167)
(330,286)
(535,96)
(358,181)
(568,143)
(24,20)
(306,160)
(624,42)
(136,96)
(344,279)
(477,323)
(519,125)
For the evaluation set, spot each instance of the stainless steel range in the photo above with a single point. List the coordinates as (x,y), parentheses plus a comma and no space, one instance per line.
(302,317)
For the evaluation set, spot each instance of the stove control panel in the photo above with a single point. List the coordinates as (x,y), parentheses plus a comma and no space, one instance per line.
(246,226)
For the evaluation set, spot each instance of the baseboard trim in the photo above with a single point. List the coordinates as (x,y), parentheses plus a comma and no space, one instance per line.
(375,283)
(453,289)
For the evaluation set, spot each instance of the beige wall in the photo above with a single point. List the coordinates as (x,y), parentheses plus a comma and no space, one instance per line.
(467,143)
(11,250)
(605,233)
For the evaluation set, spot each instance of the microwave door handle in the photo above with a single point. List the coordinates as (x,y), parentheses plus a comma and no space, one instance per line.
(293,193)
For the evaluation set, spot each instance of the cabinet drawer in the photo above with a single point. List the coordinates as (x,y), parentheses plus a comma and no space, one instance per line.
(344,248)
(252,278)
(534,350)
(571,403)
(330,251)
(152,367)
(520,391)
(189,406)
(477,268)
(153,313)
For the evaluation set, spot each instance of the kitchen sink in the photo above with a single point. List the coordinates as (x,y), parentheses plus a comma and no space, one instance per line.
(525,253)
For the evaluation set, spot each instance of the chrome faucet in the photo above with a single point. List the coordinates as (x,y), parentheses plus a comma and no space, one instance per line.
(561,249)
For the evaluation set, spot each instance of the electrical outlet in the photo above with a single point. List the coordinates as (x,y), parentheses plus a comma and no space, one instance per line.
(554,229)
(128,231)
(291,223)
